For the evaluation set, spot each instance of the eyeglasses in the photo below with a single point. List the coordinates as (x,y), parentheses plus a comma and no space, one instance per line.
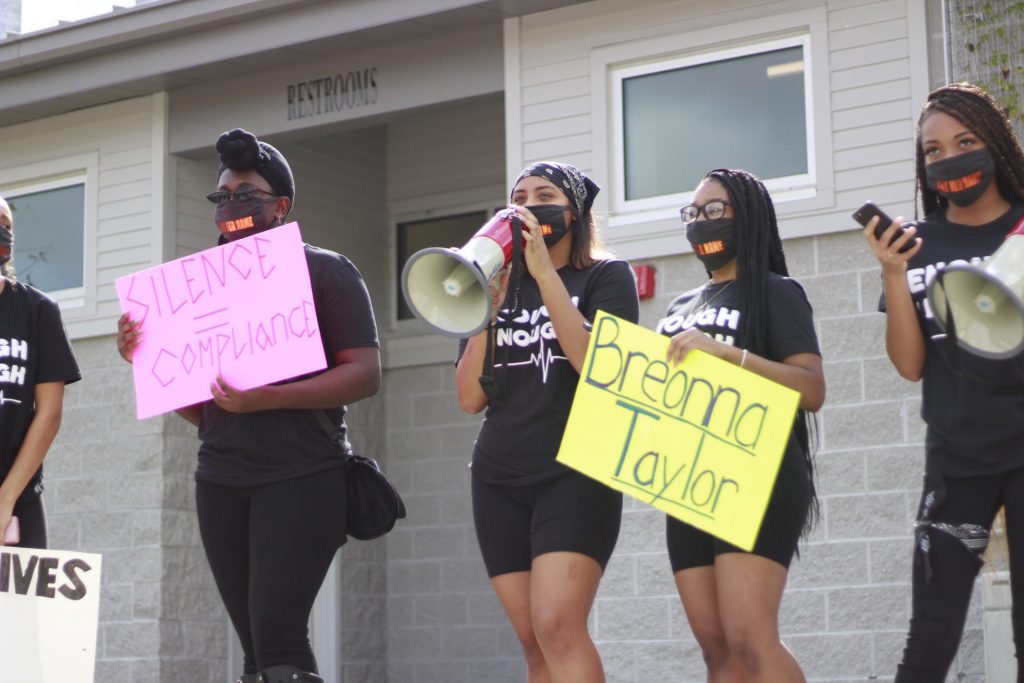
(713,210)
(242,195)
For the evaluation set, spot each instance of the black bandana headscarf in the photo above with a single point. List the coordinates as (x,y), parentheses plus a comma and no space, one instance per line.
(239,150)
(580,189)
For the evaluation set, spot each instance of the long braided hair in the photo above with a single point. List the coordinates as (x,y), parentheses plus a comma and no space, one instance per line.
(758,252)
(982,115)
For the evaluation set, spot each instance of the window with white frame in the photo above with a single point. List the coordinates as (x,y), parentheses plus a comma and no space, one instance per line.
(49,236)
(746,107)
(442,231)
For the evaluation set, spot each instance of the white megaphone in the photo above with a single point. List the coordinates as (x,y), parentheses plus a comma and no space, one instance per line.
(447,288)
(986,304)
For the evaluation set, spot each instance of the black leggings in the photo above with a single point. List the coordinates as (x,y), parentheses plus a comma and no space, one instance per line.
(31,523)
(269,548)
(946,565)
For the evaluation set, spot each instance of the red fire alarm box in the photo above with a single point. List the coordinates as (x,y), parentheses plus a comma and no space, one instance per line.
(644,281)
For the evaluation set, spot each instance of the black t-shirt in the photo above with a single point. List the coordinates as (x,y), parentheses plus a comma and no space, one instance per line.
(520,436)
(34,349)
(250,449)
(975,410)
(715,311)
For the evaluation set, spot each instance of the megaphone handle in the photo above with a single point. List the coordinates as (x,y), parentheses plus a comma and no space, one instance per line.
(488,378)
(516,276)
(487,382)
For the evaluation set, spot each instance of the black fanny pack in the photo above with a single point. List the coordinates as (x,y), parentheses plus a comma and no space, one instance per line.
(374,504)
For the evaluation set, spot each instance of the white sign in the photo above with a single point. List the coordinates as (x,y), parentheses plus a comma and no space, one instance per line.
(49,611)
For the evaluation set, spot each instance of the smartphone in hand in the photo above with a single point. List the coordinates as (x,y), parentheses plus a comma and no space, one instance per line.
(869,210)
(12,534)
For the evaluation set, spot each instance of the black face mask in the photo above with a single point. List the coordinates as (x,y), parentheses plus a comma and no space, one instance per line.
(242,219)
(552,222)
(962,179)
(6,244)
(714,242)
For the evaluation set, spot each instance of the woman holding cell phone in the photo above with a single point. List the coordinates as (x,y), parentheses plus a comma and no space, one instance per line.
(970,175)
(36,362)
(752,314)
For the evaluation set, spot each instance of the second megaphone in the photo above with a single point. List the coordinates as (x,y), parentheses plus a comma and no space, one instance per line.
(447,288)
(986,304)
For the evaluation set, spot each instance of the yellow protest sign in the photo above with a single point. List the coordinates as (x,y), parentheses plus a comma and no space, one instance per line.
(701,440)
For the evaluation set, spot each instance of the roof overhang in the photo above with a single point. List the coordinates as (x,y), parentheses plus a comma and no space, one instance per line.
(171,44)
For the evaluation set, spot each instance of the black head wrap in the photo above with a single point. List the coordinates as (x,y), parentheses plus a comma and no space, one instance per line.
(239,150)
(580,189)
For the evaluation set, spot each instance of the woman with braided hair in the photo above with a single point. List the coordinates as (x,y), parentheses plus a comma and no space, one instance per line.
(970,175)
(752,314)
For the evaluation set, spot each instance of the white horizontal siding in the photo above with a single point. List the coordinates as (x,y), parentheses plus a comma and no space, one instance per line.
(572,106)
(843,38)
(546,73)
(454,154)
(556,128)
(887,131)
(870,74)
(868,54)
(194,229)
(868,177)
(859,13)
(339,200)
(119,136)
(868,99)
(872,114)
(895,91)
(870,155)
(555,91)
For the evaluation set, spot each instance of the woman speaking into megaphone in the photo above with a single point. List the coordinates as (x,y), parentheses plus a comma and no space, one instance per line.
(546,532)
(970,174)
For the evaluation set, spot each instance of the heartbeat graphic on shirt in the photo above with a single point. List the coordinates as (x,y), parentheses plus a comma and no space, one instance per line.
(543,360)
(7,400)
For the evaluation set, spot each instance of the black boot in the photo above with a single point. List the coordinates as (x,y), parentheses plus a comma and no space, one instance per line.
(286,673)
(248,678)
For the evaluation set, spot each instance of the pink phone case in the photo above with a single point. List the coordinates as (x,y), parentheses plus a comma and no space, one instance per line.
(12,534)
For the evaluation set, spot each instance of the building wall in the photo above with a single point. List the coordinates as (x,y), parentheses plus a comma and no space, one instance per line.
(442,614)
(417,606)
(10,17)
(115,485)
(340,182)
(847,605)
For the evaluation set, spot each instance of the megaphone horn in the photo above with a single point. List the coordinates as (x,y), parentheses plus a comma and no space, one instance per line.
(987,303)
(447,288)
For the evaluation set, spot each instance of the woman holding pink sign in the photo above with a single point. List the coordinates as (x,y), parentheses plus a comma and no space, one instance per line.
(752,314)
(36,362)
(270,481)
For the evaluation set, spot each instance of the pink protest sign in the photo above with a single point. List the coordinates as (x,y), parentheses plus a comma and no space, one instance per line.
(243,310)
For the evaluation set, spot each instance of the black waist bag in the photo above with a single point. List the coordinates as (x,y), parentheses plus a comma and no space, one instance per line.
(373,502)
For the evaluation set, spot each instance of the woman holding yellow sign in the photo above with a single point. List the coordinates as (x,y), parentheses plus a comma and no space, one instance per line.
(546,532)
(752,314)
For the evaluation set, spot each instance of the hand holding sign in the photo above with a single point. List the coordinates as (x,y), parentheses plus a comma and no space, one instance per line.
(701,440)
(243,311)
